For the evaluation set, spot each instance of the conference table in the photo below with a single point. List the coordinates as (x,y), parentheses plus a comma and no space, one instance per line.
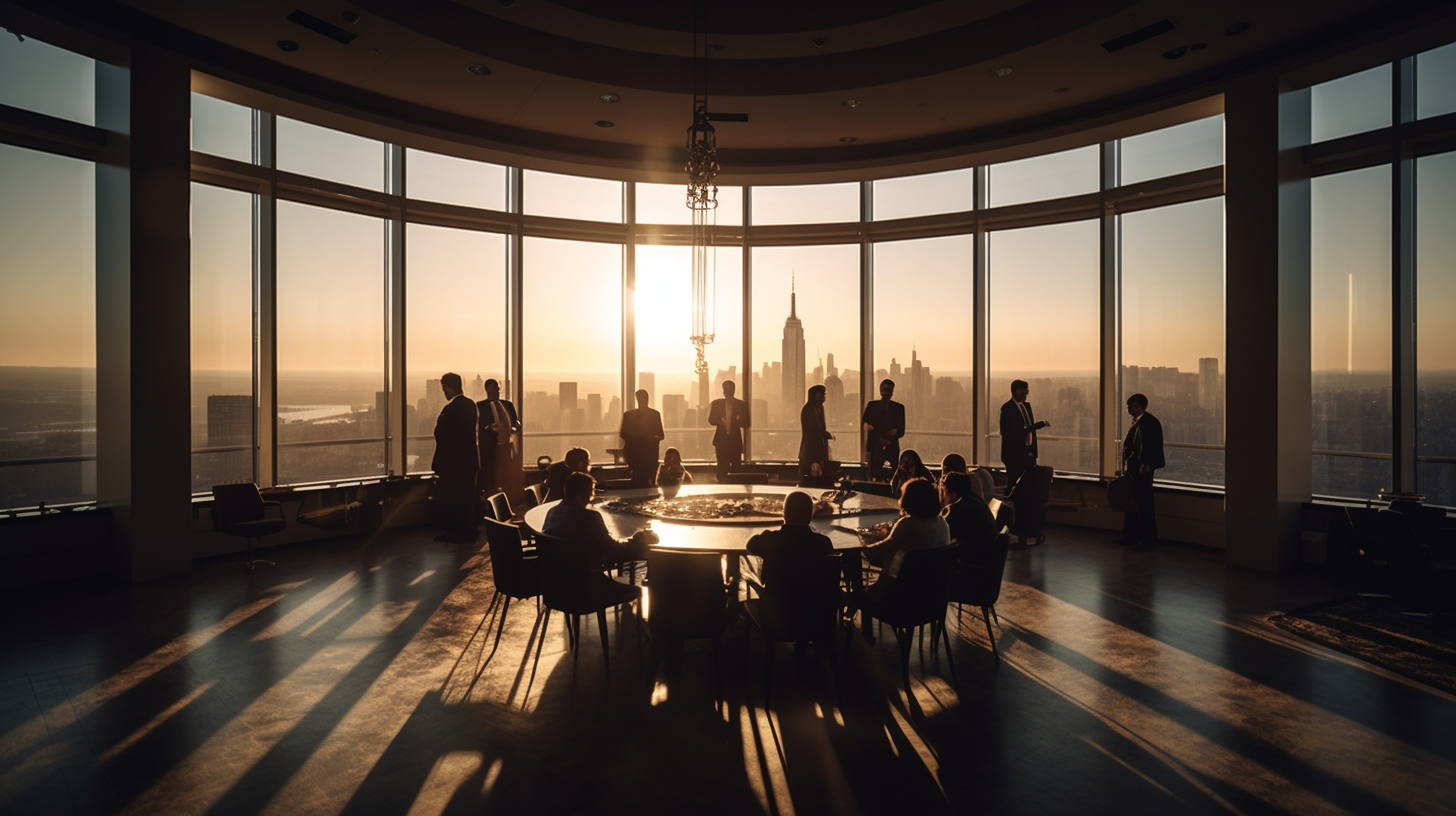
(727,536)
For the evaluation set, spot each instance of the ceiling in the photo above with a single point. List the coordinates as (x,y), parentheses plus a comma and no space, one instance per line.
(822,84)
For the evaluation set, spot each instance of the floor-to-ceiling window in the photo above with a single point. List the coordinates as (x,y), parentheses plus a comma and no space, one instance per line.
(48,269)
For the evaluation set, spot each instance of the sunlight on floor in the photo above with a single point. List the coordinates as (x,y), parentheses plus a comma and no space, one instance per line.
(1387,768)
(451,771)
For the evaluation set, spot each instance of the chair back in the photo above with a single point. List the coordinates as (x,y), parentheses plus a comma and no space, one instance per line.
(919,593)
(803,599)
(566,570)
(538,491)
(236,503)
(509,568)
(528,500)
(687,596)
(980,584)
(501,506)
(986,482)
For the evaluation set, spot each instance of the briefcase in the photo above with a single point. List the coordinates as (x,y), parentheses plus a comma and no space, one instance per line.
(1120,496)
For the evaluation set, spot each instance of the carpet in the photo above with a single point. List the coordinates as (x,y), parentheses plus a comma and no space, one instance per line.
(1375,630)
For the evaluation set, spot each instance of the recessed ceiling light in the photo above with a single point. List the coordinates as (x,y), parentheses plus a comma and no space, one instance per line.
(603,123)
(1175,53)
(1198,46)
(848,139)
(478,69)
(1003,71)
(852,103)
(288,45)
(610,97)
(1235,29)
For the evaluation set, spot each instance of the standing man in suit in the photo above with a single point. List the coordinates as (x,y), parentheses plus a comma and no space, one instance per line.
(1142,453)
(884,424)
(641,431)
(498,426)
(1018,433)
(730,417)
(456,458)
(814,436)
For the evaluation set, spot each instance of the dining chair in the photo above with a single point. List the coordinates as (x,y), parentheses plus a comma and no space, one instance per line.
(501,507)
(515,572)
(980,585)
(239,510)
(573,583)
(916,597)
(800,605)
(688,598)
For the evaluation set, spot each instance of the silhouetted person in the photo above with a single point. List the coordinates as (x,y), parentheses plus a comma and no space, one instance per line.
(971,524)
(577,460)
(814,437)
(499,471)
(952,463)
(920,527)
(672,472)
(574,521)
(456,459)
(793,540)
(1142,453)
(907,467)
(730,417)
(1018,433)
(884,424)
(641,431)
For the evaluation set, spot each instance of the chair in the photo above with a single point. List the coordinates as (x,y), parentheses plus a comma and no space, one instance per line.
(688,598)
(501,507)
(538,490)
(572,582)
(1030,496)
(1416,571)
(985,482)
(515,572)
(801,605)
(239,510)
(980,585)
(916,597)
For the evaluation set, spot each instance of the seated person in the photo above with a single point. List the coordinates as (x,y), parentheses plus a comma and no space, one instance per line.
(909,467)
(573,520)
(796,538)
(671,471)
(577,460)
(952,463)
(971,524)
(920,528)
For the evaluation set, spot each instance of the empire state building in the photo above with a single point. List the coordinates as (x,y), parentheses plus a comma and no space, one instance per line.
(793,354)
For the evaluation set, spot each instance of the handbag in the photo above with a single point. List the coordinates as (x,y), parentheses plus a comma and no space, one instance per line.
(1120,496)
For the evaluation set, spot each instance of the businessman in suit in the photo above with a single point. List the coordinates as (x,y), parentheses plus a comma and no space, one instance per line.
(498,427)
(1018,433)
(884,424)
(641,433)
(814,436)
(1142,453)
(456,459)
(730,417)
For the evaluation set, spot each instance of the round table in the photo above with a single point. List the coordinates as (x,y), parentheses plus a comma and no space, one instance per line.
(861,510)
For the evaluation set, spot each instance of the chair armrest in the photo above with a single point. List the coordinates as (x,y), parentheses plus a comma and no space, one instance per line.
(274,504)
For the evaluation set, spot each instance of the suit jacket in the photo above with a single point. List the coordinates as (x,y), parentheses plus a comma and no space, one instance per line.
(456,453)
(814,441)
(641,431)
(973,527)
(487,417)
(719,414)
(1143,444)
(881,418)
(1014,430)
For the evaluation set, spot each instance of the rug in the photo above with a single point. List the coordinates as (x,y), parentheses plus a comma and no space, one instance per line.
(1375,630)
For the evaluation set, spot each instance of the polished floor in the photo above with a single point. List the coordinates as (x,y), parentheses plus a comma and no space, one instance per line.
(355,677)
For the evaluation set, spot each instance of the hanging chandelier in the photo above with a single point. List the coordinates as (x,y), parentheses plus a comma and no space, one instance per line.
(702,199)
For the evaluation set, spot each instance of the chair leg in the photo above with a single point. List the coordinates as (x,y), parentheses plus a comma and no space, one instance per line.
(768,657)
(905,636)
(602,630)
(834,669)
(986,612)
(949,658)
(500,624)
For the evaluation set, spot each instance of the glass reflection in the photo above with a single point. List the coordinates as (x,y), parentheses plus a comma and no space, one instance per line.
(1350,104)
(1435,330)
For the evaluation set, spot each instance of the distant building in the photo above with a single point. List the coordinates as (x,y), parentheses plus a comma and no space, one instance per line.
(793,355)
(567,394)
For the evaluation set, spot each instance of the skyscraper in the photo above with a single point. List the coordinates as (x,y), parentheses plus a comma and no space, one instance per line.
(793,354)
(1208,390)
(229,419)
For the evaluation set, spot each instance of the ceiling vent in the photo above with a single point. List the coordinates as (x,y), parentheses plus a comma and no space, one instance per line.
(322,26)
(1134,37)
